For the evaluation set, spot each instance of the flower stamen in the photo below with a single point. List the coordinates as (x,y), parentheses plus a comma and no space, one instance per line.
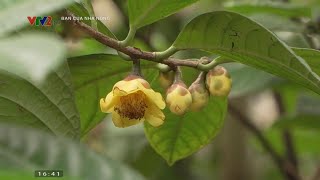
(132,106)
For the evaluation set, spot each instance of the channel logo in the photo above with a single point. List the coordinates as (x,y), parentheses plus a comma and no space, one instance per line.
(40,21)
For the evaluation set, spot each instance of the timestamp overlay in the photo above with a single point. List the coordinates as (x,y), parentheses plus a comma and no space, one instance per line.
(48,173)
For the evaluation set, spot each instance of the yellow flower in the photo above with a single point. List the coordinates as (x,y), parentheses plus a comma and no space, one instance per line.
(132,101)
(218,81)
(178,98)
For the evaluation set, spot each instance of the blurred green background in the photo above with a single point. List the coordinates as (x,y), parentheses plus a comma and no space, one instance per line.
(276,107)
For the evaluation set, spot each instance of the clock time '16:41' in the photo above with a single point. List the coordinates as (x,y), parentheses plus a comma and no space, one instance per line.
(48,173)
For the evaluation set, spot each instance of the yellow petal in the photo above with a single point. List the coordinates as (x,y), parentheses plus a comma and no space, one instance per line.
(154,115)
(123,122)
(154,97)
(108,103)
(123,88)
(144,83)
(119,92)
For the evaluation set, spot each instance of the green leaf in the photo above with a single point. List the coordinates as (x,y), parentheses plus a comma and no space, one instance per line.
(27,150)
(277,23)
(236,37)
(311,56)
(32,91)
(13,14)
(32,56)
(144,12)
(148,156)
(88,46)
(180,136)
(49,106)
(243,82)
(93,77)
(280,9)
(79,11)
(87,4)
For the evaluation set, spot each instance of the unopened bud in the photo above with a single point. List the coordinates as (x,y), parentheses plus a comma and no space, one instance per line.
(200,95)
(166,79)
(178,98)
(218,81)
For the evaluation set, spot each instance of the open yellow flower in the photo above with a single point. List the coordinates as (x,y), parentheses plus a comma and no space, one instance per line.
(132,101)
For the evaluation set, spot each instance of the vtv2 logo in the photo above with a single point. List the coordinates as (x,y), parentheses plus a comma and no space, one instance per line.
(44,21)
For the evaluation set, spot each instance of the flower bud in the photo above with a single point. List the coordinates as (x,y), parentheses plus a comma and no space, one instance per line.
(200,95)
(178,98)
(166,79)
(218,81)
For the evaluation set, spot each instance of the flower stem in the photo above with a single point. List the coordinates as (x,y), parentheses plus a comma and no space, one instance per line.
(136,69)
(177,75)
(201,77)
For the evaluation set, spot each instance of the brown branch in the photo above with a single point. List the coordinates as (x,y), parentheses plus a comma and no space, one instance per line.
(317,174)
(285,167)
(133,52)
(288,141)
(184,62)
(291,155)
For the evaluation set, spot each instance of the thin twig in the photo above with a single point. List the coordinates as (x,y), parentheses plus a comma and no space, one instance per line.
(284,166)
(288,141)
(291,154)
